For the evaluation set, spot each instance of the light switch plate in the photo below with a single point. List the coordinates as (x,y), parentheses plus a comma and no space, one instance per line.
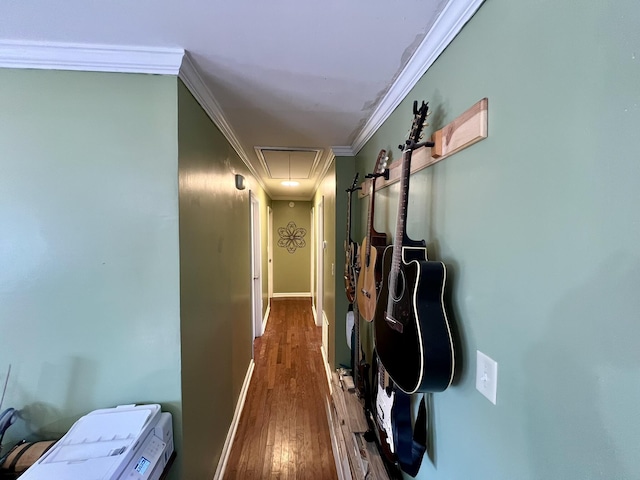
(486,376)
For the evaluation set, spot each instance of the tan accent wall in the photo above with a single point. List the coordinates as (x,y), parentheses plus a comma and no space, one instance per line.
(292,247)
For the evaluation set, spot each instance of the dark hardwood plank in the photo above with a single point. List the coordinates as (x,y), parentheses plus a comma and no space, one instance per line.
(283,432)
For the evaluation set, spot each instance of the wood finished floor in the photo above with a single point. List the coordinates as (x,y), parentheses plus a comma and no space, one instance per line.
(283,431)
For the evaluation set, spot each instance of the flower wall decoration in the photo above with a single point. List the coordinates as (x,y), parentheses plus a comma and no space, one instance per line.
(291,237)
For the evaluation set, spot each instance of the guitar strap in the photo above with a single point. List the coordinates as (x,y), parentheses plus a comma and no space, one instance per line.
(410,443)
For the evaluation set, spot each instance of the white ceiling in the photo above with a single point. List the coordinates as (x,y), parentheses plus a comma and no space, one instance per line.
(282,75)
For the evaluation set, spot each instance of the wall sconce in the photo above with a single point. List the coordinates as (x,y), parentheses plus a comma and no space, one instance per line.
(240,182)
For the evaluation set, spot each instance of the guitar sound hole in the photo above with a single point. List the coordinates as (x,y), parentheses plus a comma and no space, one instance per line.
(399,290)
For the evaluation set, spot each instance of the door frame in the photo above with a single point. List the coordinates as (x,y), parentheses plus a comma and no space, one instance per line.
(320,263)
(312,287)
(270,252)
(256,268)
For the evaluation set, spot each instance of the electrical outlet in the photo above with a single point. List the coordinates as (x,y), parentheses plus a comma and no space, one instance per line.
(486,376)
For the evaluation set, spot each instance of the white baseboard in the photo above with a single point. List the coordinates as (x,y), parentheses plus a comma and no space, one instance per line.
(226,449)
(327,368)
(315,315)
(292,294)
(319,319)
(266,318)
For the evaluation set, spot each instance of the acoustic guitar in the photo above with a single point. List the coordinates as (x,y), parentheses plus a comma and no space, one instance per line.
(350,249)
(371,249)
(411,328)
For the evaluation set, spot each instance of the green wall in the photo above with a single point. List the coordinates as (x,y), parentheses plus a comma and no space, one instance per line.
(215,279)
(291,271)
(344,173)
(89,293)
(327,191)
(538,228)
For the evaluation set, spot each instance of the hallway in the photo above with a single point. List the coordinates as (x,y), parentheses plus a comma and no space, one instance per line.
(283,431)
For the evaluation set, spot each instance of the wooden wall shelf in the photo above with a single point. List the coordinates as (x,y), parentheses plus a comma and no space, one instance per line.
(464,131)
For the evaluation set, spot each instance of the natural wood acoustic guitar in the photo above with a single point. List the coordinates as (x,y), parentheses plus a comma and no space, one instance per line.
(371,249)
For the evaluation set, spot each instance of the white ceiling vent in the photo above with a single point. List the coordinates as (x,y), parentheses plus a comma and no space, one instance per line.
(281,163)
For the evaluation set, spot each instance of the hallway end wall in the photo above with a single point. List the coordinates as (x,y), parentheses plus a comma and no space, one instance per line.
(292,247)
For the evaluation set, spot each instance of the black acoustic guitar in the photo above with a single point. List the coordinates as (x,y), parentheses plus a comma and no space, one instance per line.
(412,334)
(350,249)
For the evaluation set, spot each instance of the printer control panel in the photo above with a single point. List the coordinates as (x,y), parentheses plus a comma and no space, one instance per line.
(143,464)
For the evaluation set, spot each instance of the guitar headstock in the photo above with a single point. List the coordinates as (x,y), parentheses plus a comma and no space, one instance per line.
(381,162)
(380,170)
(419,122)
(354,185)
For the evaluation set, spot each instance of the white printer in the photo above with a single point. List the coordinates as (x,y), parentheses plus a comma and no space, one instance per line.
(129,442)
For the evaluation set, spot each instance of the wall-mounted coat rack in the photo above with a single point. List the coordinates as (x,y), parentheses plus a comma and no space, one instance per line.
(464,131)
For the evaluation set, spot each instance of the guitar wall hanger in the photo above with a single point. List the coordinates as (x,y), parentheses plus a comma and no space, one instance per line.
(416,146)
(467,129)
(384,174)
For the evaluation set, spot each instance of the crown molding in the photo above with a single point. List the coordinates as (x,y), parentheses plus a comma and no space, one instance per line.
(448,24)
(343,151)
(91,58)
(193,81)
(328,160)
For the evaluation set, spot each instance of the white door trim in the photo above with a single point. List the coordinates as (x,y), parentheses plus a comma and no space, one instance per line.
(320,263)
(256,267)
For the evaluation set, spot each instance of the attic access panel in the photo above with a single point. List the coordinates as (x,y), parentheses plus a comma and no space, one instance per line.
(284,163)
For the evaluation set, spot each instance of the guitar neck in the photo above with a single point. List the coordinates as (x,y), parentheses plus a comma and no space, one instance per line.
(350,191)
(372,207)
(348,237)
(401,222)
(382,373)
